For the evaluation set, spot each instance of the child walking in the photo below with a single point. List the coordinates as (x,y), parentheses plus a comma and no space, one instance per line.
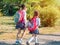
(20,20)
(33,25)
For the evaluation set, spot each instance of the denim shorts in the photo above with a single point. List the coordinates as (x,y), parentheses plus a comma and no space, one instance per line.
(35,32)
(20,25)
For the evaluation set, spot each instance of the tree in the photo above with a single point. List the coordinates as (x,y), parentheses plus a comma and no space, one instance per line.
(1,4)
(9,6)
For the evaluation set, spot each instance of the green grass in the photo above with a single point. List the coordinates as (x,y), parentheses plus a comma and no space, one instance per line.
(7,29)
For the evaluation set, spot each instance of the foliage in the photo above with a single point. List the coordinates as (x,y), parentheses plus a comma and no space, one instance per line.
(49,10)
(9,7)
(1,14)
(48,16)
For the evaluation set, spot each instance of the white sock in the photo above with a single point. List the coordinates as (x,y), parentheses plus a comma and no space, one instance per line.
(31,39)
(36,40)
(20,40)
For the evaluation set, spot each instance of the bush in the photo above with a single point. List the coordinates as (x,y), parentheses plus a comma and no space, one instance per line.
(1,14)
(49,16)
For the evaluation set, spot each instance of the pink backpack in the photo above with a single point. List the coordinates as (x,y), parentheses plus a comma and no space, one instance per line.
(35,25)
(21,18)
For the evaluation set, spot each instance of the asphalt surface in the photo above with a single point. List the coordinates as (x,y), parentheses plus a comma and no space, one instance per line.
(46,39)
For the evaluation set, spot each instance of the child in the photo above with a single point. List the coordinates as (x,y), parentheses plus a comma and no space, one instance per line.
(20,22)
(33,25)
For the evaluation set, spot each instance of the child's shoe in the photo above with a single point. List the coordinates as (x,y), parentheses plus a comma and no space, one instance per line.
(17,42)
(20,41)
(27,43)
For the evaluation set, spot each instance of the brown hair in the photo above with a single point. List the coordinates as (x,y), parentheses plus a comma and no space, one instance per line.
(22,6)
(36,13)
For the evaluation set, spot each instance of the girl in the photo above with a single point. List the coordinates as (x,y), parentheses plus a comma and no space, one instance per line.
(21,22)
(33,25)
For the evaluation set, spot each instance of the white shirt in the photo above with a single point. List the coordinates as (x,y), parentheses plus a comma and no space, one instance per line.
(38,22)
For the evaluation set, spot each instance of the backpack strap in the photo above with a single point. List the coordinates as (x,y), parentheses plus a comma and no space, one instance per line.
(21,19)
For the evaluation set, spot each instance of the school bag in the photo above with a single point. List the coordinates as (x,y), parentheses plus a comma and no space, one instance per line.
(19,17)
(16,17)
(34,25)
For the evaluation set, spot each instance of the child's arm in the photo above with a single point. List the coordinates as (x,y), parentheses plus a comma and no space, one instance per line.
(25,18)
(38,22)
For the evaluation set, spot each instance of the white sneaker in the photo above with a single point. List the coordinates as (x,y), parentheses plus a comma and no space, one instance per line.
(20,41)
(27,43)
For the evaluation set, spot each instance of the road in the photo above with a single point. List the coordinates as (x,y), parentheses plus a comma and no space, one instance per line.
(43,39)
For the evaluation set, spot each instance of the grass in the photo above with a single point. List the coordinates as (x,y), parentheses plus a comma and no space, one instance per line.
(7,29)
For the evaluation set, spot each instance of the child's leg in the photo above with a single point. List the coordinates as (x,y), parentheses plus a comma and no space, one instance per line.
(22,34)
(17,38)
(23,29)
(19,31)
(36,40)
(32,38)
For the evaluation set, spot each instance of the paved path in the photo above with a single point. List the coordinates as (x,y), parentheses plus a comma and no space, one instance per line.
(43,40)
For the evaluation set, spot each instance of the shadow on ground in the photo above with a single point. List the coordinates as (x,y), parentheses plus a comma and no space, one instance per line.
(47,43)
(3,43)
(52,43)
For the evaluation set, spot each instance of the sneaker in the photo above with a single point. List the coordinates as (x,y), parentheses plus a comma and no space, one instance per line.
(20,42)
(17,42)
(27,43)
(36,43)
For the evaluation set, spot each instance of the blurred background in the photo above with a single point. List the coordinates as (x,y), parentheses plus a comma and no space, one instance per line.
(49,13)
